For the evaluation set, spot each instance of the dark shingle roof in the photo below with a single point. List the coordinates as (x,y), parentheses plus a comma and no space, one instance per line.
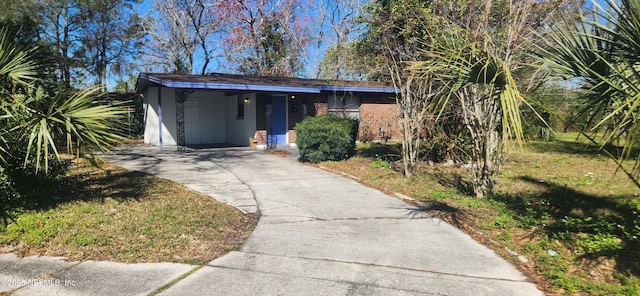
(220,81)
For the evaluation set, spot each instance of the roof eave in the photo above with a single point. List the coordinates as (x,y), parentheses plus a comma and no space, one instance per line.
(227,86)
(360,89)
(254,87)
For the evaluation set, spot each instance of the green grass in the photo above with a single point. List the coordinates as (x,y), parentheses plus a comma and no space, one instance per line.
(559,203)
(115,214)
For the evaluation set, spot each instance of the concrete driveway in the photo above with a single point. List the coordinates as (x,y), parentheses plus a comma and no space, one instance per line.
(319,234)
(322,234)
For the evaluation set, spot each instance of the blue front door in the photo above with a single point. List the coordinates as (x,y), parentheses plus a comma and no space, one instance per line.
(279,119)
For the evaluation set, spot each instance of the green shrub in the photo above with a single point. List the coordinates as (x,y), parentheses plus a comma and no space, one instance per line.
(598,243)
(35,184)
(326,137)
(10,199)
(23,187)
(379,163)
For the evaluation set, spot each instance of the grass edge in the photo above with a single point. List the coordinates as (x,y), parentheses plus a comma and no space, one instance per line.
(175,281)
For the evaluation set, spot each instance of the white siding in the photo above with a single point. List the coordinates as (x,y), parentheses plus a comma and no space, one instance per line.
(213,118)
(239,130)
(192,129)
(153,105)
(151,124)
(211,122)
(169,129)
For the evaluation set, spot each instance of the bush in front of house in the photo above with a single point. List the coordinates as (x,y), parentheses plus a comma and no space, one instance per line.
(10,199)
(326,137)
(22,187)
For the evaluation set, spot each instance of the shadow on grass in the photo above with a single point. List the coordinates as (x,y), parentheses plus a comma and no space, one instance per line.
(575,145)
(598,226)
(97,185)
(454,180)
(387,151)
(118,184)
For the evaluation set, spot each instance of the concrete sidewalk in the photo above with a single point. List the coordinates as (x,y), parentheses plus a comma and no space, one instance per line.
(319,234)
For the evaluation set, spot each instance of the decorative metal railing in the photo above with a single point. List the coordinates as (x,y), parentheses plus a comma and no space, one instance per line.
(272,140)
(181,96)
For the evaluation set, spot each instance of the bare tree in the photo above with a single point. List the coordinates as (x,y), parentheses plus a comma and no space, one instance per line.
(264,37)
(386,49)
(183,35)
(415,94)
(335,24)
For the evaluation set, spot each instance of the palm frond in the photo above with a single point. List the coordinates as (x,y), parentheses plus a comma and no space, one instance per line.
(605,53)
(15,62)
(459,68)
(80,120)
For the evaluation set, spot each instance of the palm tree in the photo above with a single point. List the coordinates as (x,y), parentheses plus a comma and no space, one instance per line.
(602,53)
(475,71)
(483,88)
(36,123)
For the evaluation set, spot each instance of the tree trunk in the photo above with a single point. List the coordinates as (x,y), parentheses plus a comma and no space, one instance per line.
(483,118)
(411,102)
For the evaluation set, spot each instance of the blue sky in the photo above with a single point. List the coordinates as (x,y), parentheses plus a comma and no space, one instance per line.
(146,7)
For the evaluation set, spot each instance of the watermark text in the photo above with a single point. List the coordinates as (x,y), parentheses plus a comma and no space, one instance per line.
(37,283)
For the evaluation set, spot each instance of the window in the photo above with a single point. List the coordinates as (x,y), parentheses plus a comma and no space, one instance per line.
(346,105)
(240,108)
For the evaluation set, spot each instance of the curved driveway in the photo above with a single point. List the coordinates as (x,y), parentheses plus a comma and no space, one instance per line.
(322,234)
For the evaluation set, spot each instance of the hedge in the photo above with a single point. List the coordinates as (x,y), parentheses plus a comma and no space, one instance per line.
(326,137)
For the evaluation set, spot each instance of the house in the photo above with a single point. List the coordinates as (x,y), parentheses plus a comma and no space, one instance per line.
(188,110)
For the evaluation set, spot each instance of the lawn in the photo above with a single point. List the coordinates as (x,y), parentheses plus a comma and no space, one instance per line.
(110,213)
(560,213)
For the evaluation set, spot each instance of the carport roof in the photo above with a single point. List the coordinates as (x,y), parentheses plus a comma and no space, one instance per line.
(218,81)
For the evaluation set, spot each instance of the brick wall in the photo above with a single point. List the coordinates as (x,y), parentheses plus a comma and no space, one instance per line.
(261,112)
(378,115)
(261,119)
(296,114)
(261,137)
(378,119)
(316,104)
(321,108)
(296,111)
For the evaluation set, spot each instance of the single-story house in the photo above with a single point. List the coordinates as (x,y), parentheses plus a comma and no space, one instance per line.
(189,110)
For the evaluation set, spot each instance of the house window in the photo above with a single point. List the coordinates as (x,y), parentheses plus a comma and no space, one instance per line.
(345,105)
(240,109)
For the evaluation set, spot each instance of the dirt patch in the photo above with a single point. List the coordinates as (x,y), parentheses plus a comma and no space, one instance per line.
(278,152)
